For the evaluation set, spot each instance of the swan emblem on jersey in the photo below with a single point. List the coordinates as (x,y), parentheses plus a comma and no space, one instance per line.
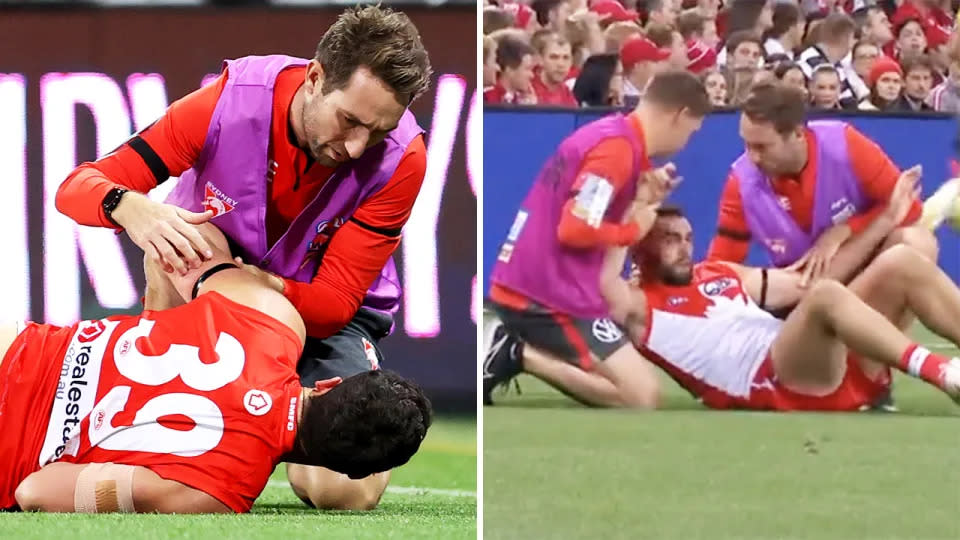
(217,201)
(257,402)
(726,298)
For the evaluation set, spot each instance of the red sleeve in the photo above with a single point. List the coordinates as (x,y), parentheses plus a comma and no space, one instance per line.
(732,241)
(608,161)
(877,175)
(359,250)
(176,140)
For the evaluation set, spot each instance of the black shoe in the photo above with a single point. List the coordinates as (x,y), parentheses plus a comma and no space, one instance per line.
(883,403)
(501,363)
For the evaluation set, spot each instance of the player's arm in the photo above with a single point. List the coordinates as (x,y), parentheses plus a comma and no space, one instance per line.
(359,250)
(605,171)
(106,487)
(167,148)
(732,240)
(770,288)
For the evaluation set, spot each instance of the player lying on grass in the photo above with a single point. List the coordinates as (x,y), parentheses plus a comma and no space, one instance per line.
(188,409)
(705,323)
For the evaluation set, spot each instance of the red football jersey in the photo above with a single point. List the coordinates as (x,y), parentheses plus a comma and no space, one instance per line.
(204,394)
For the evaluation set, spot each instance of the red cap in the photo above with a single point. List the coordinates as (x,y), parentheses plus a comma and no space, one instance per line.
(881,66)
(640,49)
(615,11)
(522,14)
(700,57)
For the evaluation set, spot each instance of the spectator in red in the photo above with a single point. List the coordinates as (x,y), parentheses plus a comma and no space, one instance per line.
(612,11)
(694,27)
(886,87)
(911,39)
(825,87)
(918,74)
(555,61)
(701,58)
(786,34)
(667,37)
(715,81)
(934,22)
(523,16)
(875,28)
(495,19)
(552,14)
(641,60)
(514,86)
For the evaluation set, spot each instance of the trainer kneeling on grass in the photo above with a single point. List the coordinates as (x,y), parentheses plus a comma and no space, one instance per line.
(310,168)
(186,410)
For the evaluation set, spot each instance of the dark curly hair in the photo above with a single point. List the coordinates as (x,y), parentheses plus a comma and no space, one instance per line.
(370,423)
(384,41)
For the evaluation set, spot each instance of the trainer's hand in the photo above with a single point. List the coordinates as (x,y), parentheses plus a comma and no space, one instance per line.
(905,192)
(270,280)
(655,185)
(166,233)
(816,261)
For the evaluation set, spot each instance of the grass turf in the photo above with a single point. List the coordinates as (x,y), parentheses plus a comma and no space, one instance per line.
(554,469)
(445,466)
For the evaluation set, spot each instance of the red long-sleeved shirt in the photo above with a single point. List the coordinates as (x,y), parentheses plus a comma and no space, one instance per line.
(875,171)
(612,160)
(356,253)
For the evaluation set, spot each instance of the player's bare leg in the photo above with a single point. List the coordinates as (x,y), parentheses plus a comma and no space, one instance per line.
(917,237)
(809,353)
(328,490)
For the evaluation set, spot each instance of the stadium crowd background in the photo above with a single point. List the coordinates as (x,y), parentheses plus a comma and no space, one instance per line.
(889,55)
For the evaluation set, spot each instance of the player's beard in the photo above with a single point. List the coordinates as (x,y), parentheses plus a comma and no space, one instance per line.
(679,274)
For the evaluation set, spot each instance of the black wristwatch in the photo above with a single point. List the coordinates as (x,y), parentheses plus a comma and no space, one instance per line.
(111,201)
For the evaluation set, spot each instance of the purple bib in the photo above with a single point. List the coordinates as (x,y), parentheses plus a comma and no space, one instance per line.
(837,197)
(231,176)
(532,261)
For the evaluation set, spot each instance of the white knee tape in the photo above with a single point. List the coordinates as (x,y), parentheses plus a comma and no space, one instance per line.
(104,487)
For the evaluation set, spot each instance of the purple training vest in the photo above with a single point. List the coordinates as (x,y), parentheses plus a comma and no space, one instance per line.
(532,261)
(838,197)
(231,176)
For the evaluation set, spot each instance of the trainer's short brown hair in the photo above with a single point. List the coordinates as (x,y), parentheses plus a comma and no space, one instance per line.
(679,89)
(384,41)
(778,104)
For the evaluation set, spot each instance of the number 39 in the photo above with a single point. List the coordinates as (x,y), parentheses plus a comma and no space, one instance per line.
(146,434)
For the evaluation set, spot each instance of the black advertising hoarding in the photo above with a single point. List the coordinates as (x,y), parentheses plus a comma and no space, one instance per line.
(74,84)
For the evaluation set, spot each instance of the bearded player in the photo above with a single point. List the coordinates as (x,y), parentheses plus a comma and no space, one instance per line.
(705,324)
(189,409)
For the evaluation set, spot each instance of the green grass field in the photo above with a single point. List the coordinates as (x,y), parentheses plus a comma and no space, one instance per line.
(553,469)
(433,496)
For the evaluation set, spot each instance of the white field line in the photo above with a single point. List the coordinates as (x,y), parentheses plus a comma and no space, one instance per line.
(400,490)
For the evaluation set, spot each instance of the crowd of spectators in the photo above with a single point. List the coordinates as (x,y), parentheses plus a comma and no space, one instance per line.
(891,55)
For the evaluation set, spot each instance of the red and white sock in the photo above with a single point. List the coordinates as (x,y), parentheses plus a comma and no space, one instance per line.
(919,362)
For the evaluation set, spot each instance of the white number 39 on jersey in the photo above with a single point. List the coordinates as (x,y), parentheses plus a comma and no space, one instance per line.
(146,434)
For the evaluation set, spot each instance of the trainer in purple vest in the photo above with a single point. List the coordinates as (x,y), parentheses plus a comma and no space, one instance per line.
(532,261)
(231,176)
(838,197)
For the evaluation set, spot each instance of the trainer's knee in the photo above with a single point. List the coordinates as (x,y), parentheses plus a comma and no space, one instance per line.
(645,398)
(328,490)
(918,238)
